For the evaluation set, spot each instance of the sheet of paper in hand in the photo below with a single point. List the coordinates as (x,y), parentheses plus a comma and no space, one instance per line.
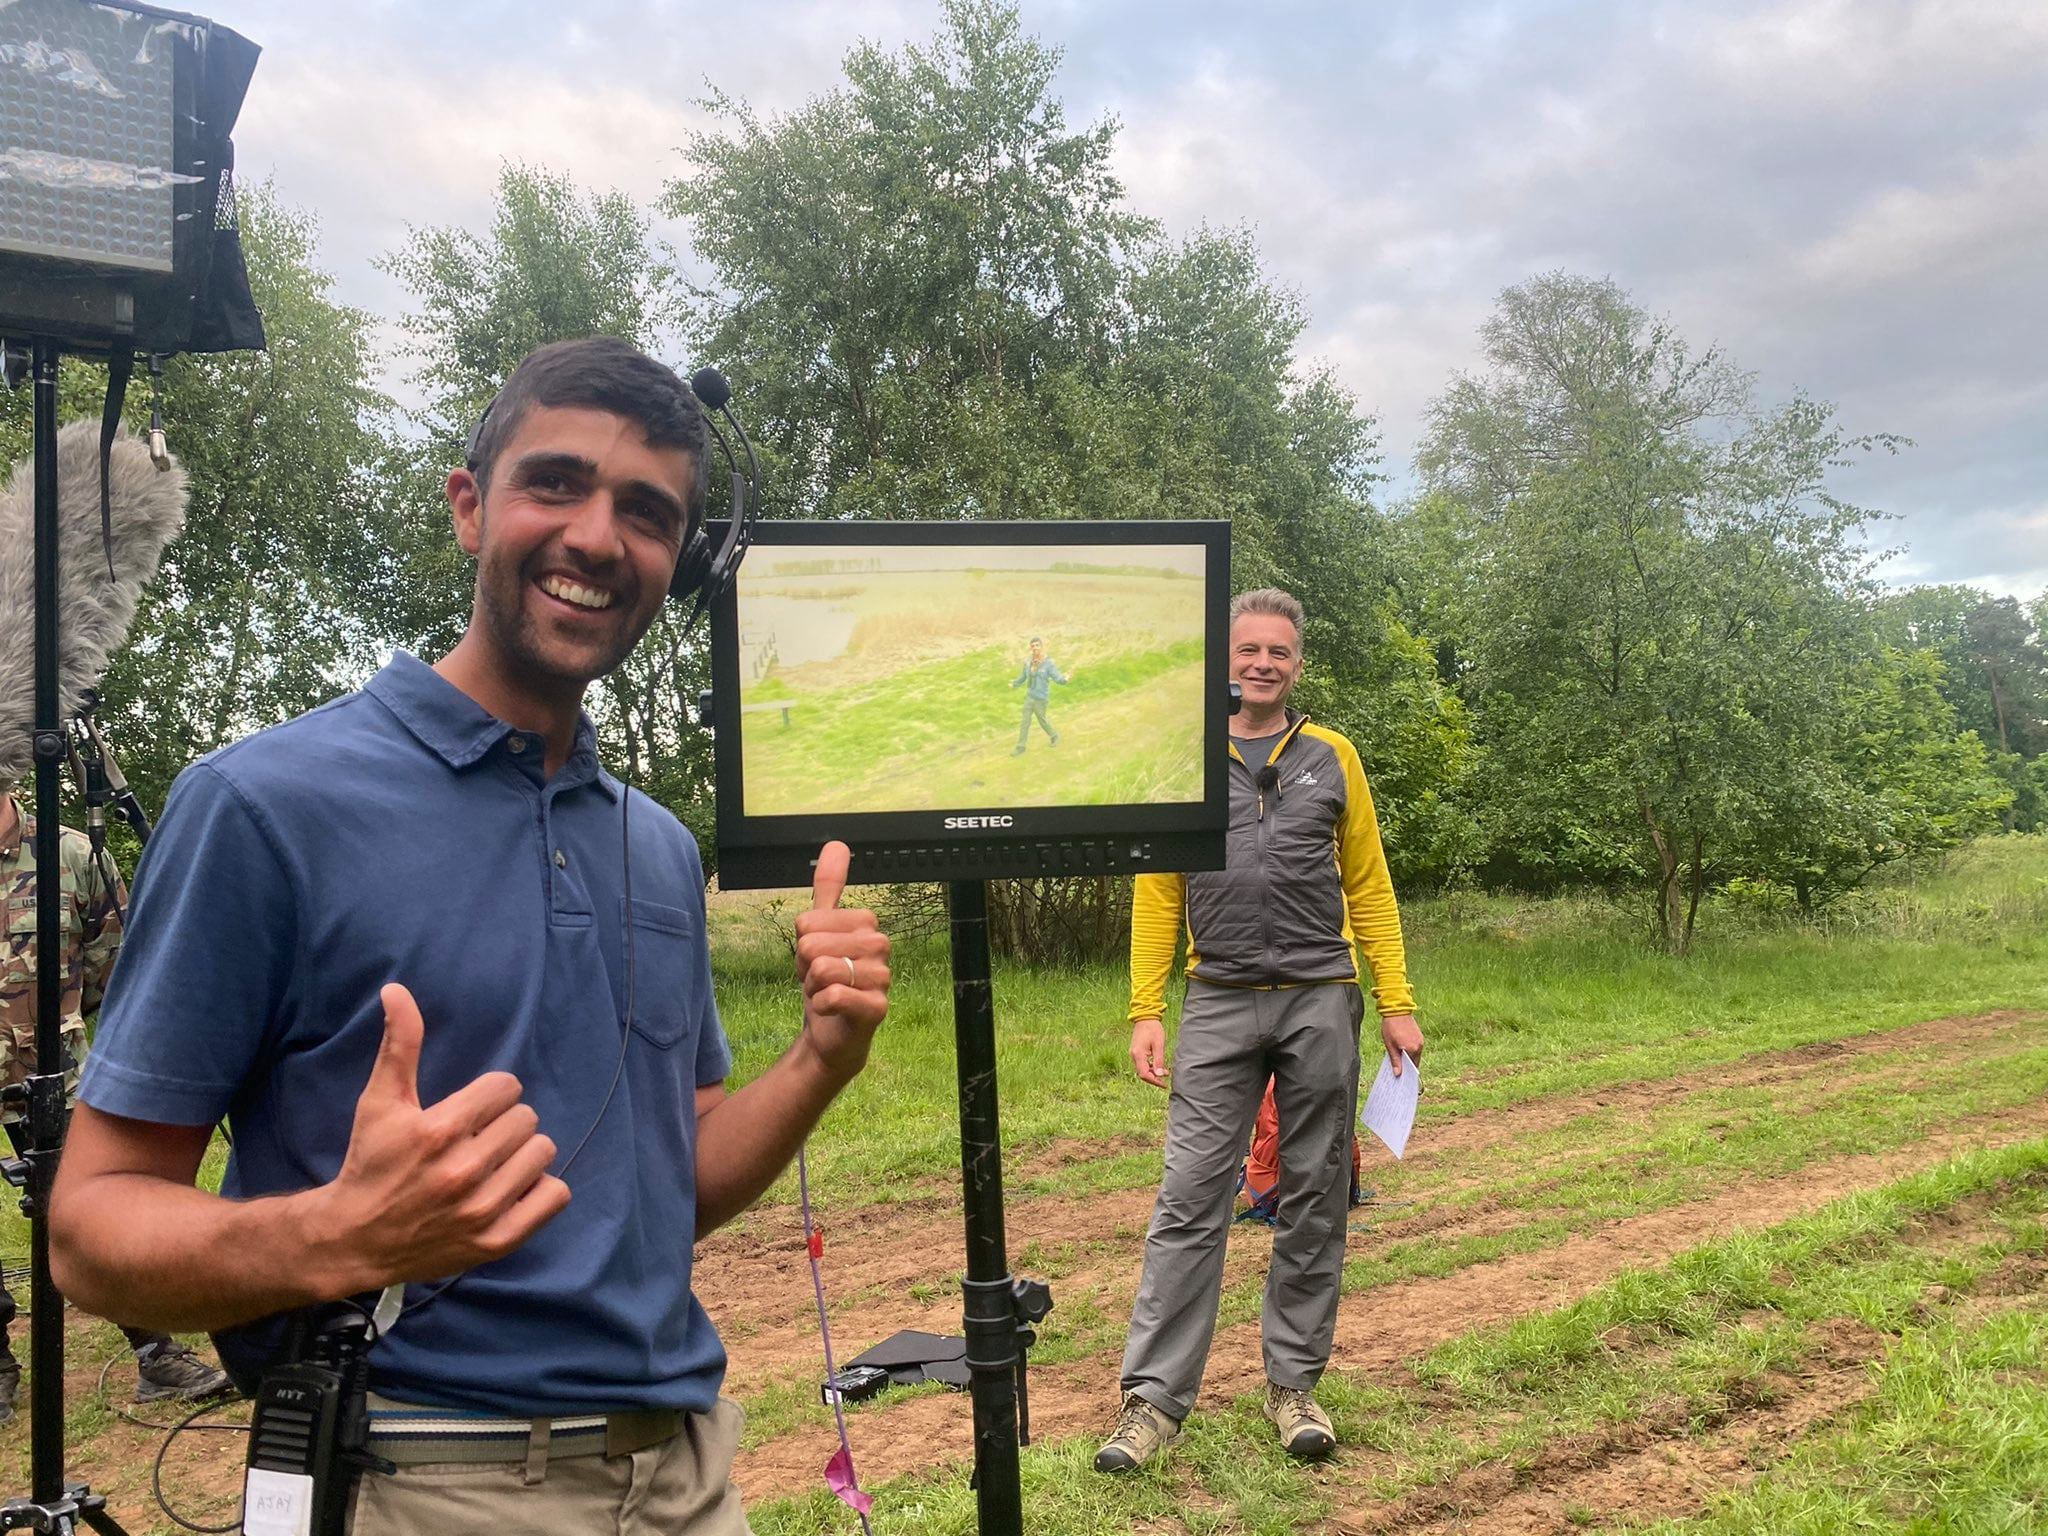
(1389,1111)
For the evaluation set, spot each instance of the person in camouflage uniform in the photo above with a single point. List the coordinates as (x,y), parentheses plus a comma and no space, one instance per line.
(92,937)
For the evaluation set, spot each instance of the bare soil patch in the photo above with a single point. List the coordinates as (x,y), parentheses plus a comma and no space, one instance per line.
(756,1282)
(1377,1331)
(895,1266)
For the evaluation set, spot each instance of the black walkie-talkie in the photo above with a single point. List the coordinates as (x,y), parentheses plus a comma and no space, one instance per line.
(309,1429)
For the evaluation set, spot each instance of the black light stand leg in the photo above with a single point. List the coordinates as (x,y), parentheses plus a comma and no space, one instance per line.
(991,1315)
(46,1344)
(53,1507)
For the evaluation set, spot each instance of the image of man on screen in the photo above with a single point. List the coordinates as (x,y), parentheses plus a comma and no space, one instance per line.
(1273,991)
(1039,674)
(448,978)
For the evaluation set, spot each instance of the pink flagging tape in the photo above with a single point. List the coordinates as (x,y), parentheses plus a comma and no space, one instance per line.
(839,1474)
(840,1479)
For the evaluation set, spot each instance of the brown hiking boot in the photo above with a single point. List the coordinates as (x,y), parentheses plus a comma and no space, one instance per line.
(1141,1433)
(1304,1428)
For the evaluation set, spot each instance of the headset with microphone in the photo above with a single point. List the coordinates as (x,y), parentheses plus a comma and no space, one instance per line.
(704,573)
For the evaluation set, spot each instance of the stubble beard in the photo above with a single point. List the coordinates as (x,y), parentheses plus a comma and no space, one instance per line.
(517,637)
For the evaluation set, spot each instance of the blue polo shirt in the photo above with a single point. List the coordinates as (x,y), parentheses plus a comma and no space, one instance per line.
(404,834)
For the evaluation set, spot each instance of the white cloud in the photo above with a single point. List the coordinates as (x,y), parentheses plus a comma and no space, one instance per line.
(1945,233)
(1846,194)
(1856,55)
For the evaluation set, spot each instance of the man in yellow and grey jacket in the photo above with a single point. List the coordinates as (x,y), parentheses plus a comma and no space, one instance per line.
(1274,990)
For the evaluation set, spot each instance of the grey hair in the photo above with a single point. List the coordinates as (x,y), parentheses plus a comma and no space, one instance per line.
(1269,600)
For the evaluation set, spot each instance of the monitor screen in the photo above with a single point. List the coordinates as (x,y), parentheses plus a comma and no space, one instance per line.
(919,687)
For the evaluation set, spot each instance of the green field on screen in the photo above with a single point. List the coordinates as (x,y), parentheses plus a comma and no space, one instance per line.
(881,679)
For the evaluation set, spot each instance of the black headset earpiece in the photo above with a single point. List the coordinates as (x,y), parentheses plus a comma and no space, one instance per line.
(472,448)
(693,565)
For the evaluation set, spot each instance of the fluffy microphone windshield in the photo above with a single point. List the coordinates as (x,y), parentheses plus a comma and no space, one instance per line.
(93,611)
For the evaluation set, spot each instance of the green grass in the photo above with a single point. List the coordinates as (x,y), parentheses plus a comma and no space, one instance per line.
(1845,1260)
(1520,999)
(1679,1349)
(1534,998)
(1956,1442)
(1523,1000)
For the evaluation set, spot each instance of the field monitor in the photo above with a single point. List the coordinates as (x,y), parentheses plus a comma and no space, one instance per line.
(962,701)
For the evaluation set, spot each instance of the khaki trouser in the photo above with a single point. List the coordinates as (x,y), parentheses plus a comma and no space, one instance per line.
(681,1487)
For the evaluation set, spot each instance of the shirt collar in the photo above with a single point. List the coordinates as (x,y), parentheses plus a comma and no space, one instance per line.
(460,731)
(24,831)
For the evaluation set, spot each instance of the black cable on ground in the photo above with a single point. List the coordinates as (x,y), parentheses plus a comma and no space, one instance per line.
(156,1470)
(186,1425)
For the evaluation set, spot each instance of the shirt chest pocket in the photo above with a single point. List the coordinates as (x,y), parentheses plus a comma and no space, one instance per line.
(666,980)
(21,921)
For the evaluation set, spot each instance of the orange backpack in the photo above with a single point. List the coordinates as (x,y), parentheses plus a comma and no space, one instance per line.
(1260,1178)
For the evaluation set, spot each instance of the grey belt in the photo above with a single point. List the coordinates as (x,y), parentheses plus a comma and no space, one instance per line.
(411,1436)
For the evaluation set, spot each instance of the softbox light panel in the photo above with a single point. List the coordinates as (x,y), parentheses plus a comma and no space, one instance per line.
(86,114)
(116,200)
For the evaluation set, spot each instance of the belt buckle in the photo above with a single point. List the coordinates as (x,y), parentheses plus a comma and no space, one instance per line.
(625,1433)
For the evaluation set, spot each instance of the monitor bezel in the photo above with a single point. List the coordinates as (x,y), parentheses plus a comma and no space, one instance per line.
(740,832)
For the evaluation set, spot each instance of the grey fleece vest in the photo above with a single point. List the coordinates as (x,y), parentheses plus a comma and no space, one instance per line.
(1275,914)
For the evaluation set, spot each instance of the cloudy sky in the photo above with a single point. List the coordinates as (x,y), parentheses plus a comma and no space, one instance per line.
(1849,196)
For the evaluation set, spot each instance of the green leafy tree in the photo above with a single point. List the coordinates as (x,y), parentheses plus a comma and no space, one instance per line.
(1993,670)
(911,270)
(1994,656)
(1655,599)
(935,303)
(1900,783)
(2029,781)
(557,264)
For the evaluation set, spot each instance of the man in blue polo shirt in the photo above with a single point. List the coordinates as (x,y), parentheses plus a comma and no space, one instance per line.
(448,979)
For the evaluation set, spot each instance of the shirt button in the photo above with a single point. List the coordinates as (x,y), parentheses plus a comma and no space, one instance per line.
(561,859)
(515,744)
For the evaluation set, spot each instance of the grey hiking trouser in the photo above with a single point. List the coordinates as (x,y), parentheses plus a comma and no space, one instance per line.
(1231,1040)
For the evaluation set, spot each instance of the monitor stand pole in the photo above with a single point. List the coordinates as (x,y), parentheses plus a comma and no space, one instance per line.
(1000,1309)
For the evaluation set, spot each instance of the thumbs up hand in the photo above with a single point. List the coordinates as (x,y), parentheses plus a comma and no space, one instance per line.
(428,1192)
(842,964)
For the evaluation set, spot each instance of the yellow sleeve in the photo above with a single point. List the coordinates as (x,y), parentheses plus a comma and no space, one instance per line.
(1158,908)
(1369,891)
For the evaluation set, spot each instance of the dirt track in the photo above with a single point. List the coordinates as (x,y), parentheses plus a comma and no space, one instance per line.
(754,1284)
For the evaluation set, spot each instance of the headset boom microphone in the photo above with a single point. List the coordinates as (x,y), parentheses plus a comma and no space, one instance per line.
(148,509)
(710,386)
(714,393)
